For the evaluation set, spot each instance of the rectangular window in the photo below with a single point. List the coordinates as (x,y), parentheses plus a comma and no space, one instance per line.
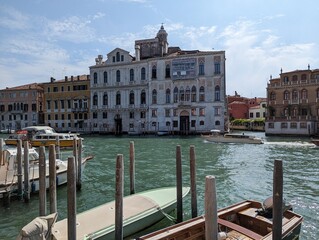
(154,113)
(95,115)
(49,117)
(175,124)
(251,115)
(201,70)
(55,89)
(143,114)
(303,125)
(258,115)
(131,115)
(62,116)
(193,111)
(167,112)
(175,112)
(284,125)
(293,125)
(48,105)
(217,68)
(193,123)
(56,117)
(202,111)
(217,111)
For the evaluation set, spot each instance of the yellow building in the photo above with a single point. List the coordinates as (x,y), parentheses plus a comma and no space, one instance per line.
(293,103)
(66,103)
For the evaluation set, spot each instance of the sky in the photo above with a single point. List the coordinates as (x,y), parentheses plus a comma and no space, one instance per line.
(40,39)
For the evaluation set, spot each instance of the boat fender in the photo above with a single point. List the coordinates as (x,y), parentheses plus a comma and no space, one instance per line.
(222,236)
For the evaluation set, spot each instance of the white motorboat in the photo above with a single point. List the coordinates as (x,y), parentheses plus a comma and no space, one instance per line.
(218,137)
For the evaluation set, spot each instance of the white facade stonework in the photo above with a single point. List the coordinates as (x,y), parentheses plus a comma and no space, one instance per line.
(161,89)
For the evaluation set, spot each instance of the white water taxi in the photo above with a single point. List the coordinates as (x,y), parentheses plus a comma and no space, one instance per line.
(218,137)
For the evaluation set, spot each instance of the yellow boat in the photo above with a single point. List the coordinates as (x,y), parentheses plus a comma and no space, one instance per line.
(42,136)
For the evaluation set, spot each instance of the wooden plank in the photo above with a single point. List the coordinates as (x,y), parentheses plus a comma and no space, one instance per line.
(240,229)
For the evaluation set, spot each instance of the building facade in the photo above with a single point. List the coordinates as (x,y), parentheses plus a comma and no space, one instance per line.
(66,103)
(160,89)
(293,103)
(21,106)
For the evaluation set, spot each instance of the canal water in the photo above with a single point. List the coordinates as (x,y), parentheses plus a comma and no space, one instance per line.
(242,172)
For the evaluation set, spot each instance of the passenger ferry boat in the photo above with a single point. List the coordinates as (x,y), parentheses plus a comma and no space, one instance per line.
(41,136)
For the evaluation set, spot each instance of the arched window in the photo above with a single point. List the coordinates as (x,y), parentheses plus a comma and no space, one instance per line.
(187,94)
(105,99)
(175,95)
(193,98)
(154,71)
(118,76)
(95,99)
(272,96)
(294,95)
(105,77)
(304,94)
(143,73)
(132,98)
(95,78)
(143,97)
(294,78)
(286,95)
(303,77)
(201,94)
(118,98)
(217,123)
(154,96)
(131,75)
(181,94)
(168,95)
(118,56)
(217,93)
(168,71)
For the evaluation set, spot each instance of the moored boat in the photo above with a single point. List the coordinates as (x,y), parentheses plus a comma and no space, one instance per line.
(315,141)
(218,137)
(248,220)
(140,210)
(9,171)
(42,136)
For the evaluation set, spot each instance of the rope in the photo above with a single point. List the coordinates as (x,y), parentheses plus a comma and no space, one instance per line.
(169,217)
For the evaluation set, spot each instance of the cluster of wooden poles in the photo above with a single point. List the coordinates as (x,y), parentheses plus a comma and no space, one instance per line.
(211,226)
(24,183)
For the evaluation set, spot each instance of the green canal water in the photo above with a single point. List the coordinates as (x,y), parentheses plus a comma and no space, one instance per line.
(242,171)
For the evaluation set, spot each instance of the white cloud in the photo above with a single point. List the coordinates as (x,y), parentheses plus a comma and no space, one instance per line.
(13,19)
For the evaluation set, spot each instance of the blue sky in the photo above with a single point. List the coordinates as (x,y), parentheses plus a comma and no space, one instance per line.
(41,38)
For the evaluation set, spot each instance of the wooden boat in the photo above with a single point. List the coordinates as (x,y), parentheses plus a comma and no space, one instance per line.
(140,210)
(218,137)
(42,136)
(315,141)
(9,171)
(247,220)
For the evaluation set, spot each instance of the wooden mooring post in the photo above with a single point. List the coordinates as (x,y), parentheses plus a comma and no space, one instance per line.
(42,183)
(277,200)
(75,154)
(179,185)
(211,226)
(57,147)
(193,180)
(52,179)
(26,181)
(119,193)
(19,162)
(132,168)
(1,150)
(79,164)
(71,199)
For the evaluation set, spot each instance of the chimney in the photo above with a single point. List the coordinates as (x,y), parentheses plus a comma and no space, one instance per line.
(78,77)
(137,53)
(72,78)
(66,78)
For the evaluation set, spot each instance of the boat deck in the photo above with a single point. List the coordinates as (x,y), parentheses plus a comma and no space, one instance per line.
(101,217)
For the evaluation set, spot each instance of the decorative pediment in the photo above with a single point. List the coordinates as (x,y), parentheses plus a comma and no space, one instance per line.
(118,55)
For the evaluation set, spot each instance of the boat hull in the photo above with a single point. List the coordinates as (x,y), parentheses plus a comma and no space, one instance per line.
(238,221)
(140,211)
(222,139)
